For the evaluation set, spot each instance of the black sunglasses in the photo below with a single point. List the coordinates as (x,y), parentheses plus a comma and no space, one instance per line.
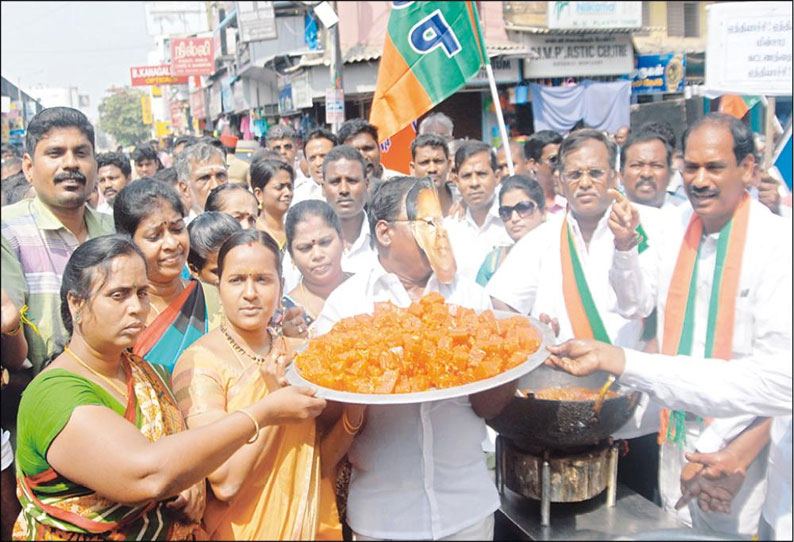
(523,208)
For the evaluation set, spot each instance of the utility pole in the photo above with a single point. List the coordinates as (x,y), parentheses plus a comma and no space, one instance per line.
(335,49)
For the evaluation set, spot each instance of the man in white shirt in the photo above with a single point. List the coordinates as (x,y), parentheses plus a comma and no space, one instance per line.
(541,150)
(363,137)
(316,147)
(539,278)
(345,188)
(418,469)
(740,253)
(480,230)
(113,174)
(645,166)
(708,387)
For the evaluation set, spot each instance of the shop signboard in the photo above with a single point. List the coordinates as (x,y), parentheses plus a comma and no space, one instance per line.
(146,109)
(285,103)
(505,71)
(257,21)
(658,74)
(579,55)
(162,128)
(594,15)
(145,76)
(334,106)
(6,104)
(301,90)
(748,50)
(192,56)
(198,107)
(227,98)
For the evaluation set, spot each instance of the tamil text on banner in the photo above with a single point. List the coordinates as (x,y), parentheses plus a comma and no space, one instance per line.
(395,151)
(431,50)
(192,56)
(146,76)
(658,74)
(748,50)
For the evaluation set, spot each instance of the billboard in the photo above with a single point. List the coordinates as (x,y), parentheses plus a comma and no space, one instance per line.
(146,76)
(192,56)
(658,74)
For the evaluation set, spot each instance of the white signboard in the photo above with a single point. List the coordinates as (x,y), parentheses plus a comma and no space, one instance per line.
(257,21)
(569,15)
(577,55)
(505,70)
(301,90)
(334,106)
(749,48)
(6,104)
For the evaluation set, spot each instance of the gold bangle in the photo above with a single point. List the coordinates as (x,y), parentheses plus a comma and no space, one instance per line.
(14,332)
(256,425)
(351,429)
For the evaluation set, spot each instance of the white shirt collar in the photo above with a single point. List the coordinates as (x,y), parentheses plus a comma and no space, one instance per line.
(492,216)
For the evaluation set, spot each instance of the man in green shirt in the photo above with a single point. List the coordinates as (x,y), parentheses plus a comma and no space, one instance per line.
(40,234)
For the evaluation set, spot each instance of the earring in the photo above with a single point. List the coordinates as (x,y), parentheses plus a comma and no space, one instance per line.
(77,319)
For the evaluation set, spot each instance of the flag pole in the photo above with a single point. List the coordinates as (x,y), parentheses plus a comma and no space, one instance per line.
(500,118)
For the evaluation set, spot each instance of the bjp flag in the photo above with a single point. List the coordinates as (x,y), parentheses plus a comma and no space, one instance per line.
(431,50)
(395,151)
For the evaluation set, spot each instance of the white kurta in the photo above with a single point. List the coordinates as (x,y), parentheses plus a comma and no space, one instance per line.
(762,327)
(472,243)
(360,255)
(418,470)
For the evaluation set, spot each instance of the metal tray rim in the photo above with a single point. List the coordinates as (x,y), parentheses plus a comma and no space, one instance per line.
(533,361)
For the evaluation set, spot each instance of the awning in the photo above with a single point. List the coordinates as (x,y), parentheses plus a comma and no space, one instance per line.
(547,30)
(662,45)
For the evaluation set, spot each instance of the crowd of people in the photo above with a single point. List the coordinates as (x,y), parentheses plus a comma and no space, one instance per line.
(149,319)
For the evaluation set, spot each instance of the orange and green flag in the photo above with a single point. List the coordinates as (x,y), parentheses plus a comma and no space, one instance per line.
(431,50)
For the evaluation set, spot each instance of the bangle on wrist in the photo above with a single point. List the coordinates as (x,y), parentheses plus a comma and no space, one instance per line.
(256,426)
(351,429)
(624,246)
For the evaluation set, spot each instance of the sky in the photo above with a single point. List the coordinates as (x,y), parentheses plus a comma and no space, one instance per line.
(90,45)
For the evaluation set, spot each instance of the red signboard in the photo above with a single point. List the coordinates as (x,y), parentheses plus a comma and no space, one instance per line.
(146,76)
(192,56)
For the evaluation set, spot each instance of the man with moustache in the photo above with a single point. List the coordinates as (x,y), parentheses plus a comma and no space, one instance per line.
(646,168)
(557,271)
(480,230)
(40,234)
(722,289)
(345,187)
(113,174)
(315,148)
(430,158)
(200,168)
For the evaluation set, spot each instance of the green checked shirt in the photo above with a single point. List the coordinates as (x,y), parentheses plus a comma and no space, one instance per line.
(35,249)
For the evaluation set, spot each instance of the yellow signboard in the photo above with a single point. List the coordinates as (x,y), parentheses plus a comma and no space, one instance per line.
(156,91)
(146,108)
(162,128)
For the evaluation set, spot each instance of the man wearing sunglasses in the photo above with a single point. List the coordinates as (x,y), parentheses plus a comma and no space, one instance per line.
(541,150)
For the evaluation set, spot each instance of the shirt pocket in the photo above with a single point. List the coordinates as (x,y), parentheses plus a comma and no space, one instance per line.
(743,325)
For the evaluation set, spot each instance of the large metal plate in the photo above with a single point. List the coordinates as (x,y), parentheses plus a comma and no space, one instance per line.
(533,361)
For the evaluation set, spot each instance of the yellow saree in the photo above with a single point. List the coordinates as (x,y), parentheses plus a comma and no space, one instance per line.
(284,497)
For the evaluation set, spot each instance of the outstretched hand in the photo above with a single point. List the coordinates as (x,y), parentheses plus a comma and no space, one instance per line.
(713,479)
(581,357)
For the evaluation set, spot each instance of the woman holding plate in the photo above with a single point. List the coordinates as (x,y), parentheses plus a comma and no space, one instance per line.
(279,486)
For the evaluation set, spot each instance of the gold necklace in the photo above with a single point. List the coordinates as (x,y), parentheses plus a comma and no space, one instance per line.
(97,373)
(259,360)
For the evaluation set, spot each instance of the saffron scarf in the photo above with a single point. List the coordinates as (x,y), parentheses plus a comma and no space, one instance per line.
(582,311)
(679,311)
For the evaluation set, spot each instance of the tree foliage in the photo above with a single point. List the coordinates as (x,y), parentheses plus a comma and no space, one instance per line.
(120,115)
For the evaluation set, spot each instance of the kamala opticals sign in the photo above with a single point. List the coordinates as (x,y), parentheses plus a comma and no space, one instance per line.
(146,76)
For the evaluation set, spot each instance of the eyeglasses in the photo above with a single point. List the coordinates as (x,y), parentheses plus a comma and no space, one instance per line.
(575,175)
(524,209)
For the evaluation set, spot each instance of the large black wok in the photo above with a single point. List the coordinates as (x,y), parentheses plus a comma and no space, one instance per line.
(562,424)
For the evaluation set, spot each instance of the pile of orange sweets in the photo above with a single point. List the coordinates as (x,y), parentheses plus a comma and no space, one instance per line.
(429,345)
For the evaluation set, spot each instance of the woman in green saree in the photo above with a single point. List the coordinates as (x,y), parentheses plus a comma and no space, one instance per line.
(152,214)
(102,450)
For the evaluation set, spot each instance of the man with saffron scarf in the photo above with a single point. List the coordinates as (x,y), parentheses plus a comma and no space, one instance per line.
(722,288)
(561,269)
